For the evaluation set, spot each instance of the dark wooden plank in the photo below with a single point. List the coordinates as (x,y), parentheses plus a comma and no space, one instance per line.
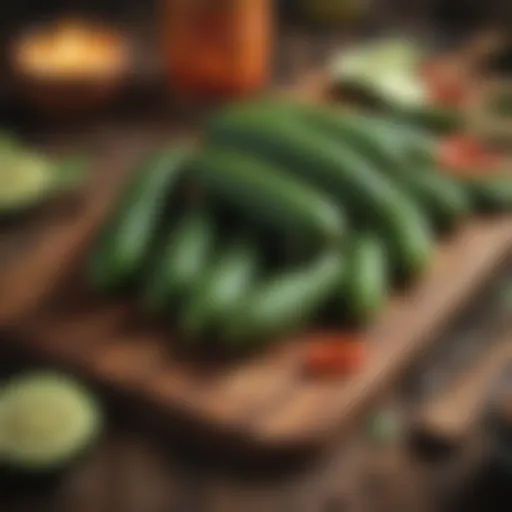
(225,493)
(144,483)
(89,486)
(452,416)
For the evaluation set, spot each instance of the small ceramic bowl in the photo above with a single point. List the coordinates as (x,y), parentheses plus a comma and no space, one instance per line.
(78,84)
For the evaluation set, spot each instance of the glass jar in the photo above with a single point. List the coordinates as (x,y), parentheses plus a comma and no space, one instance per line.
(217,47)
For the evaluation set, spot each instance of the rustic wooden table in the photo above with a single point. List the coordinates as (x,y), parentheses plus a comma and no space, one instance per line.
(132,471)
(135,469)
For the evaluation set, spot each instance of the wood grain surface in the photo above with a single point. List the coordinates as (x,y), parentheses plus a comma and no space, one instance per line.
(132,471)
(265,404)
(456,412)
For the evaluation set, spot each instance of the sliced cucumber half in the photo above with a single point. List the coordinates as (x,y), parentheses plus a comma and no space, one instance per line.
(25,179)
(385,70)
(46,421)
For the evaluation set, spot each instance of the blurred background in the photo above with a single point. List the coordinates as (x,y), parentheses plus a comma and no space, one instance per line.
(90,86)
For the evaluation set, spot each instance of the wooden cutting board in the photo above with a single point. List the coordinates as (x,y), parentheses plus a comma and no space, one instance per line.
(265,403)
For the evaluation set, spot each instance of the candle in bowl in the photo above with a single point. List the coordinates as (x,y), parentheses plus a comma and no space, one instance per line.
(70,66)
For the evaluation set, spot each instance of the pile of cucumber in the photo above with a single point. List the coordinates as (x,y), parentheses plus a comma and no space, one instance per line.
(288,215)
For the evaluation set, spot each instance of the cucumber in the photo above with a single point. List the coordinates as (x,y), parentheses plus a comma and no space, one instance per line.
(124,245)
(183,260)
(437,120)
(263,193)
(219,292)
(366,283)
(46,421)
(414,142)
(485,194)
(372,200)
(443,199)
(286,302)
(417,144)
(491,194)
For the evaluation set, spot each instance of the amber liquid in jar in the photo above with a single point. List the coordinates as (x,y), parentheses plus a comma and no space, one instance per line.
(218,48)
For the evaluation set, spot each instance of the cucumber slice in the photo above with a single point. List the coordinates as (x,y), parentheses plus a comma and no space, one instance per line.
(25,179)
(385,71)
(46,421)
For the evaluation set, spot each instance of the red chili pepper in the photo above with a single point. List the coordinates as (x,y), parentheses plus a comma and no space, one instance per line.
(466,154)
(336,355)
(445,87)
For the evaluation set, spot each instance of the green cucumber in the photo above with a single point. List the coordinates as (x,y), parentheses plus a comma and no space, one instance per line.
(372,199)
(434,119)
(264,194)
(286,302)
(224,285)
(417,144)
(366,283)
(440,196)
(124,245)
(443,199)
(46,422)
(182,262)
(491,194)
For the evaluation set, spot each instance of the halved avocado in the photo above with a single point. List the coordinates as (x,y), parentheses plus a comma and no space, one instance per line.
(46,422)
